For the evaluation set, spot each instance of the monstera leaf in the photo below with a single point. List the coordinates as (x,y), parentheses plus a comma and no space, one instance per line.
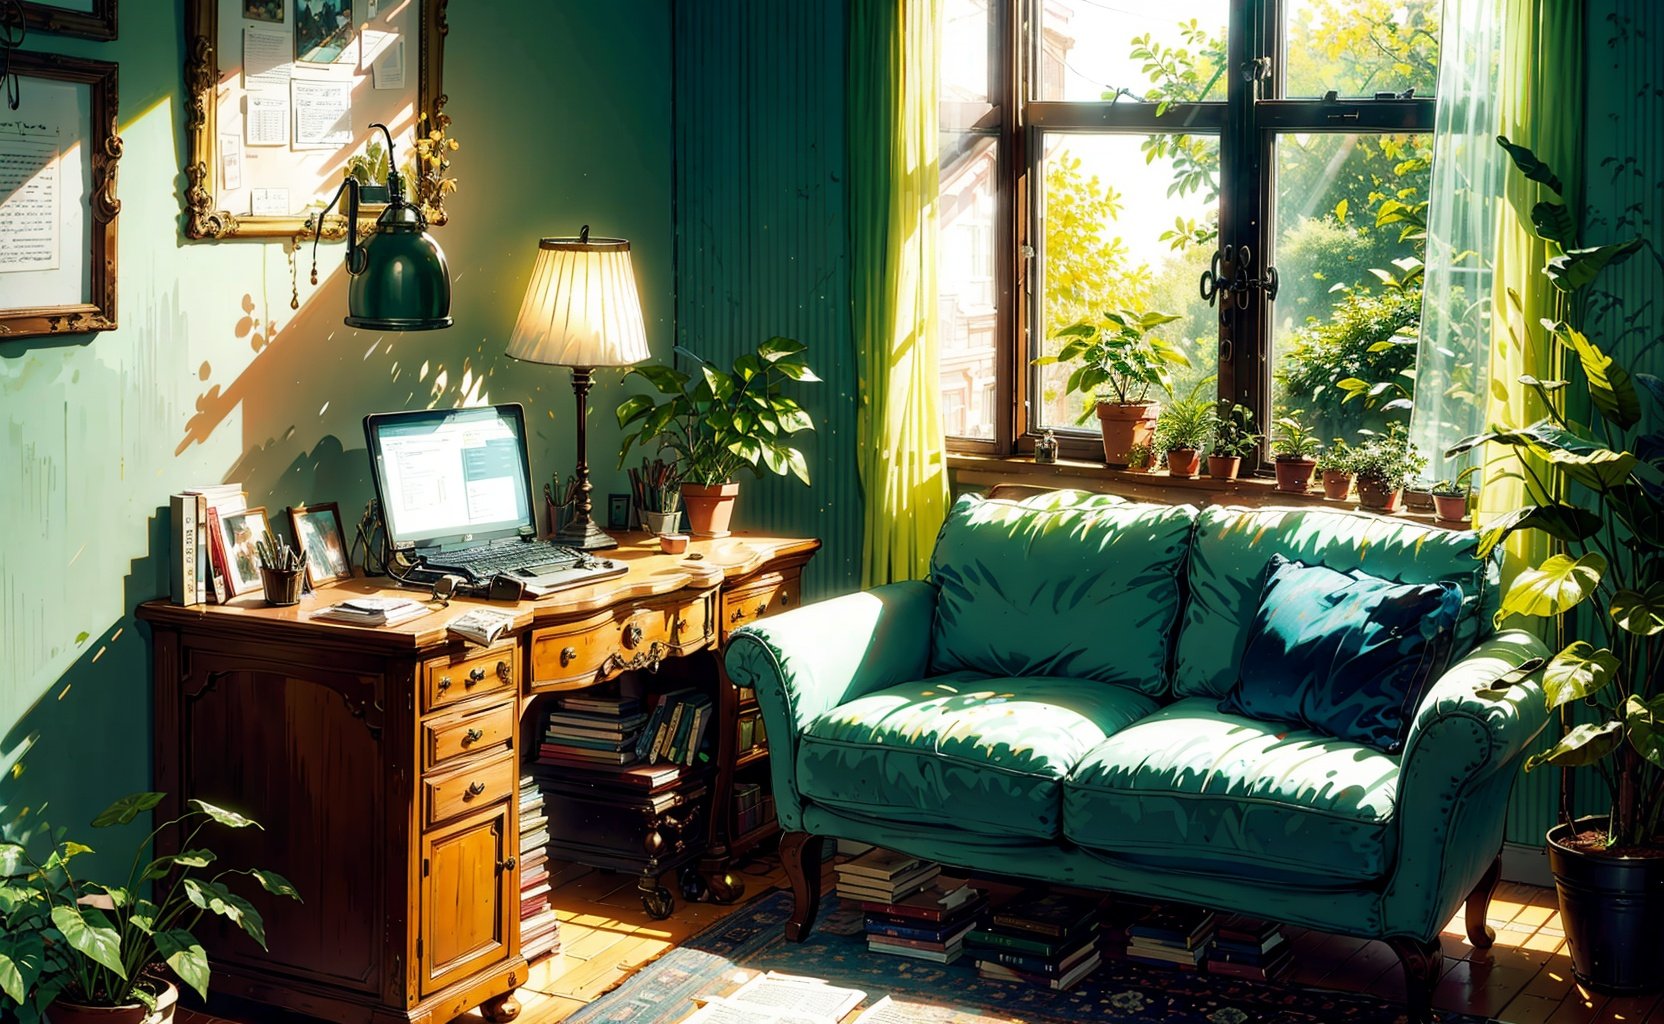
(1584,744)
(1577,672)
(1560,583)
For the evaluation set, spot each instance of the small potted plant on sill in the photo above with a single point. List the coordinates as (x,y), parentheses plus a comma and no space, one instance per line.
(1183,429)
(1141,458)
(1120,365)
(1385,463)
(1418,495)
(1334,466)
(1233,441)
(81,951)
(1450,500)
(720,422)
(1294,456)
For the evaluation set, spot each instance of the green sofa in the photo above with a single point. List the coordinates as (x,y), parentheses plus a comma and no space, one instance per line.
(1046,706)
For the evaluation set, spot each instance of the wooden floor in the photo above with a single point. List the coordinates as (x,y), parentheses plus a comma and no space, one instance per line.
(1524,979)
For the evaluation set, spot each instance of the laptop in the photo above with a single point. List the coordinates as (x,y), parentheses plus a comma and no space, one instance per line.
(456,498)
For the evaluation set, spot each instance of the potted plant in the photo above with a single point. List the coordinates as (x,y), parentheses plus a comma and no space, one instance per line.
(1183,429)
(82,951)
(1141,458)
(1120,364)
(1609,534)
(1384,464)
(1450,500)
(1334,465)
(1418,495)
(718,423)
(1294,455)
(1233,441)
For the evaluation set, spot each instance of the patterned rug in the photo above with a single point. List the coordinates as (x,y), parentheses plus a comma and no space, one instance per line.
(751,939)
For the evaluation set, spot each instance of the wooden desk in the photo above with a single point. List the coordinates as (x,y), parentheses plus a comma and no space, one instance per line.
(383,764)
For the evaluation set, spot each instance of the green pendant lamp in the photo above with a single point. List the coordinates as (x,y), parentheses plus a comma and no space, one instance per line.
(399,280)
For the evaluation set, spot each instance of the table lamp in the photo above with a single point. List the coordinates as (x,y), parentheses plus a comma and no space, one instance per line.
(581,311)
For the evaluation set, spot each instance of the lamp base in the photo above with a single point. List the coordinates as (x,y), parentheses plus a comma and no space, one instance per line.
(585,536)
(374,324)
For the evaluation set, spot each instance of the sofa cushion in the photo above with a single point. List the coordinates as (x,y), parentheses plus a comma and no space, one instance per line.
(1031,587)
(1232,546)
(1195,788)
(962,750)
(1345,654)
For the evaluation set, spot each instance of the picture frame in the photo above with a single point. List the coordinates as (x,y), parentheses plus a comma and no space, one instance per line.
(322,542)
(68,18)
(58,208)
(238,188)
(238,533)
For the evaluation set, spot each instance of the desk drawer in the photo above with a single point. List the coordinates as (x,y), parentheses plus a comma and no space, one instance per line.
(637,635)
(468,789)
(478,732)
(758,600)
(465,674)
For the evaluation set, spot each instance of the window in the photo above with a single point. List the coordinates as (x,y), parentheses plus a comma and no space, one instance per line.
(1097,155)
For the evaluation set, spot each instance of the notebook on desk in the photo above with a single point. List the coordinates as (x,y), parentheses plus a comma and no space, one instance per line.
(456,498)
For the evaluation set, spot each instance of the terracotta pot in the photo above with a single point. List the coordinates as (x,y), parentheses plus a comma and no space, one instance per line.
(1375,497)
(1337,484)
(1224,467)
(709,509)
(61,1012)
(1184,462)
(1451,508)
(1123,427)
(1420,501)
(1295,475)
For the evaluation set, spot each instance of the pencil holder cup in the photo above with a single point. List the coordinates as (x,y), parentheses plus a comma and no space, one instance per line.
(662,523)
(282,585)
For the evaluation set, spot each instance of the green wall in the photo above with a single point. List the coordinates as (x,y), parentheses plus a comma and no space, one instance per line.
(563,111)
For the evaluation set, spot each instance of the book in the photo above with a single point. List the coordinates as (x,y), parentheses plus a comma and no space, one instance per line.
(1177,923)
(372,611)
(480,625)
(861,889)
(944,933)
(617,707)
(941,899)
(182,567)
(1150,950)
(943,956)
(593,721)
(879,864)
(986,938)
(696,733)
(1061,983)
(584,754)
(1275,967)
(1039,912)
(1050,966)
(220,590)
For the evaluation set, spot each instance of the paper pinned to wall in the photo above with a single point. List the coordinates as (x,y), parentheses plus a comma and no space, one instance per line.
(388,69)
(231,161)
(267,119)
(323,113)
(266,59)
(269,202)
(31,183)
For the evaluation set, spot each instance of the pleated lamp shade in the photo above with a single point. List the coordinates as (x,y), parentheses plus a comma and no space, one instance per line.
(582,308)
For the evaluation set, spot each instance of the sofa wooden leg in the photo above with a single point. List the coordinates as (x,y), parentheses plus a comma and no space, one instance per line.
(1423,963)
(800,855)
(1481,934)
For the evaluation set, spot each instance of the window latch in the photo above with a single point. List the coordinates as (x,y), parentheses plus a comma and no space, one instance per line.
(1028,254)
(1229,279)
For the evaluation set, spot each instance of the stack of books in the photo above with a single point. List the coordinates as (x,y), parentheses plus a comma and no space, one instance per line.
(753,805)
(1040,938)
(883,876)
(372,611)
(930,924)
(583,731)
(539,924)
(196,570)
(1173,933)
(677,728)
(1247,947)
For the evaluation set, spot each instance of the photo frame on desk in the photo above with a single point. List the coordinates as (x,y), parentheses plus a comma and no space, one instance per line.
(322,540)
(238,533)
(58,205)
(89,19)
(280,95)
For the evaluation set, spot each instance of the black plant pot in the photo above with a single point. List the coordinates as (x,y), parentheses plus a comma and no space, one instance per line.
(1612,909)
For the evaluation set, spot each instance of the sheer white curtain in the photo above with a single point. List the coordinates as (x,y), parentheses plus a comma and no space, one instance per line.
(1452,376)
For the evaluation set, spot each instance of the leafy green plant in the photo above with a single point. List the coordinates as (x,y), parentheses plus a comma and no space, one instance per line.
(1233,437)
(1457,488)
(91,943)
(1141,456)
(1337,458)
(1120,362)
(719,422)
(1389,460)
(1186,423)
(1294,440)
(1598,490)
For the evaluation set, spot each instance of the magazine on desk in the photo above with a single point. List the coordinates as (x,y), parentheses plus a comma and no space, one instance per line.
(372,611)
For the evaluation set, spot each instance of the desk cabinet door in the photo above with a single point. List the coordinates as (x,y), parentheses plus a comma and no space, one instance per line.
(470,885)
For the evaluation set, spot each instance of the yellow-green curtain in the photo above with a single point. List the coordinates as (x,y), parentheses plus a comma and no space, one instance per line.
(1541,88)
(894,56)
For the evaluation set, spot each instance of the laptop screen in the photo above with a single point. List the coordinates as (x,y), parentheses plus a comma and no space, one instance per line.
(451,476)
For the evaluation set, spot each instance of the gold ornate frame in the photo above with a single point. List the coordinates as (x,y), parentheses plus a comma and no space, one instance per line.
(98,312)
(203,217)
(99,23)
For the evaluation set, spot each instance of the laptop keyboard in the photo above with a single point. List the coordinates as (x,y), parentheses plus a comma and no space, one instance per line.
(542,555)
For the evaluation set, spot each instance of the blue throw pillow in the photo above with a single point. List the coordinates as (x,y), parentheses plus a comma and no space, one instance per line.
(1346,654)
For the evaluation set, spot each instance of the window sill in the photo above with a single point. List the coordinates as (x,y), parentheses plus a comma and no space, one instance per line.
(1024,474)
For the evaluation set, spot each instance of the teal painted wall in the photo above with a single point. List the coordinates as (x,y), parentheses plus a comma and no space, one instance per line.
(762,237)
(563,111)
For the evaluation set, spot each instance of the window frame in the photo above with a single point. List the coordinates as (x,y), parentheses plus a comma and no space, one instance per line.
(1248,122)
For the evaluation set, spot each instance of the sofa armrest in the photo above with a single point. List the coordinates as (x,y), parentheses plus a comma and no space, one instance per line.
(1460,764)
(812,659)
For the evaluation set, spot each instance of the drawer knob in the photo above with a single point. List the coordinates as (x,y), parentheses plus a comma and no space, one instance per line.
(507,865)
(568,655)
(632,635)
(785,599)
(444,683)
(762,606)
(472,736)
(476,675)
(738,614)
(476,788)
(502,671)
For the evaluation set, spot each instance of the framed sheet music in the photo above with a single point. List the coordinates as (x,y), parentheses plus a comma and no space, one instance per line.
(281,95)
(58,205)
